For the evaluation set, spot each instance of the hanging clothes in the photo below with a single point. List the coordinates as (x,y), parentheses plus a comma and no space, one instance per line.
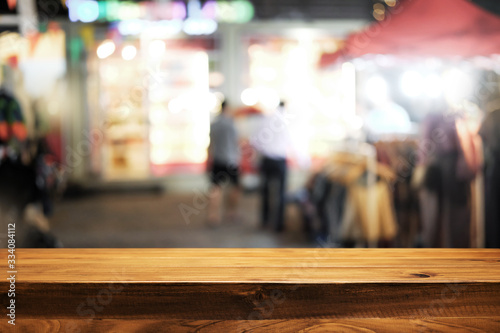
(11,119)
(370,224)
(368,213)
(328,198)
(400,155)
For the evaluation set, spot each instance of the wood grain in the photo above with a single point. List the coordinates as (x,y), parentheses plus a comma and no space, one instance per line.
(266,326)
(259,265)
(257,301)
(257,290)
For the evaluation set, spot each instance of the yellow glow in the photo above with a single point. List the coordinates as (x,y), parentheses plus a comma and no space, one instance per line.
(196,155)
(158,115)
(379,17)
(319,148)
(160,155)
(379,11)
(200,135)
(109,73)
(157,137)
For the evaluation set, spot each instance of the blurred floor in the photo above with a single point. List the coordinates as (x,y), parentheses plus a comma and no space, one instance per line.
(148,220)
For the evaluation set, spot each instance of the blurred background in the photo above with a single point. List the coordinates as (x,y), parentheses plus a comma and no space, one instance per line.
(390,105)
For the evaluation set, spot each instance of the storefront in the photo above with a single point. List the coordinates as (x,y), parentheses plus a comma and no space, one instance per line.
(152,105)
(153,86)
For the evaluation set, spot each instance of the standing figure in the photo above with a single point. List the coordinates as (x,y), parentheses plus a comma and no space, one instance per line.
(450,158)
(490,133)
(223,166)
(272,141)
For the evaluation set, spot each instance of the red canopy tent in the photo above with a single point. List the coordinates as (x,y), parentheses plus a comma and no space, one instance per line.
(426,28)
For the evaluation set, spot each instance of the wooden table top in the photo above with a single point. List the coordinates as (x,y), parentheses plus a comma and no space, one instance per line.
(305,266)
(254,290)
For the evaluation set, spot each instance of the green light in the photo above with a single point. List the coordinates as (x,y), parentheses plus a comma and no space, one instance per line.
(112,10)
(75,50)
(239,11)
(244,11)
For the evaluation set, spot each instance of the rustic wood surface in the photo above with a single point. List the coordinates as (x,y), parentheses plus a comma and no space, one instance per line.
(258,290)
(257,265)
(265,326)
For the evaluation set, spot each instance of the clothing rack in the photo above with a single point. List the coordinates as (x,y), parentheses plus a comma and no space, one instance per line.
(351,164)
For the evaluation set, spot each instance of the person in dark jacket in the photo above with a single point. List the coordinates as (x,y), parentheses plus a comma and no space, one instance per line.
(490,133)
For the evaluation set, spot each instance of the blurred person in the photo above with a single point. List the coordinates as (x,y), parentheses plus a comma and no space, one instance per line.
(223,166)
(490,133)
(273,141)
(16,183)
(449,155)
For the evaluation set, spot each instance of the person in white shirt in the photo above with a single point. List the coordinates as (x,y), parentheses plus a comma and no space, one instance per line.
(272,140)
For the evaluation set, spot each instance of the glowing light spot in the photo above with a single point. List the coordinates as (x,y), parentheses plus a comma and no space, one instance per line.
(106,49)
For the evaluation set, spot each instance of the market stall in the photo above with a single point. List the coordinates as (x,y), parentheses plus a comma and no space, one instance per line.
(418,67)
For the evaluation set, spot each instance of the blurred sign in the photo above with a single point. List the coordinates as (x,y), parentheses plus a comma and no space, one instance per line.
(239,11)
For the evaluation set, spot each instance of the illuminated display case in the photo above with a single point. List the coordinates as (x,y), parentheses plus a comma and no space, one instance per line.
(179,113)
(152,107)
(117,110)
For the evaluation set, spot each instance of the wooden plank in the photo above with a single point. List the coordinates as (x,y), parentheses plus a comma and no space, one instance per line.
(270,301)
(268,290)
(264,326)
(268,253)
(282,262)
(271,265)
(231,301)
(290,275)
